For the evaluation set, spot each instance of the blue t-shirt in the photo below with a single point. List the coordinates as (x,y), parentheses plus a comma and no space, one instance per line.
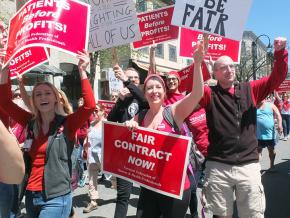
(265,123)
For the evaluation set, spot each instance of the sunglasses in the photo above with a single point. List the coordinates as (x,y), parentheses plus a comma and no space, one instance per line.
(16,96)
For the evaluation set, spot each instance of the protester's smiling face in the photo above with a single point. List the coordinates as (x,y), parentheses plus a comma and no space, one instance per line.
(225,72)
(44,98)
(114,96)
(133,76)
(172,83)
(154,91)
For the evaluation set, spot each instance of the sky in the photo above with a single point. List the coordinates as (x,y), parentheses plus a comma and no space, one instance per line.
(271,18)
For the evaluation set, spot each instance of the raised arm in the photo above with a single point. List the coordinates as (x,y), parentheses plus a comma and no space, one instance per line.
(76,120)
(24,95)
(185,106)
(277,115)
(262,87)
(276,95)
(7,105)
(152,63)
(11,160)
(133,89)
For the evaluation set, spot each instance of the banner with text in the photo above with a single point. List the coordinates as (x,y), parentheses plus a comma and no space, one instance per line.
(218,46)
(284,87)
(50,23)
(220,17)
(27,59)
(186,77)
(108,105)
(156,25)
(154,159)
(112,23)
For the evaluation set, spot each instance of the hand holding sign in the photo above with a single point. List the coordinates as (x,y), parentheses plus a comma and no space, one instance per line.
(200,51)
(131,124)
(84,61)
(123,93)
(119,73)
(280,43)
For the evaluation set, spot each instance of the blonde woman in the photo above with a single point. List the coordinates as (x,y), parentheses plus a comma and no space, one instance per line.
(49,143)
(93,144)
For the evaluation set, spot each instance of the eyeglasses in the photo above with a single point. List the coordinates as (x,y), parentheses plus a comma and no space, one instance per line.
(16,96)
(171,78)
(225,67)
(133,77)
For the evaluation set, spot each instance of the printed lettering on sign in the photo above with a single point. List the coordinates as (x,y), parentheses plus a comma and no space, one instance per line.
(49,23)
(156,25)
(113,23)
(27,59)
(146,156)
(218,46)
(220,17)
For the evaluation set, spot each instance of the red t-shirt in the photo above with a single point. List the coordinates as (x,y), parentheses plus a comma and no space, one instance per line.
(172,97)
(197,125)
(38,148)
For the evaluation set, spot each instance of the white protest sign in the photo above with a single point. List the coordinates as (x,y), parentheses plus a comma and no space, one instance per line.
(113,23)
(220,17)
(114,84)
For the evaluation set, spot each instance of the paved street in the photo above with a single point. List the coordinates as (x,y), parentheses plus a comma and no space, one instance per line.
(277,189)
(276,184)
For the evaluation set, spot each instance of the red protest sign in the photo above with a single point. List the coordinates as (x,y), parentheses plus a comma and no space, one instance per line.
(284,87)
(154,159)
(108,105)
(27,59)
(156,25)
(186,75)
(218,45)
(50,23)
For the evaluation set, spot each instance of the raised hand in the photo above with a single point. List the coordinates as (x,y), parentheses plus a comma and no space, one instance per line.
(279,43)
(119,73)
(123,93)
(84,60)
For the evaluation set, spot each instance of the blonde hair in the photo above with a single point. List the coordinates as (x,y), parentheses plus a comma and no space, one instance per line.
(101,111)
(58,108)
(66,105)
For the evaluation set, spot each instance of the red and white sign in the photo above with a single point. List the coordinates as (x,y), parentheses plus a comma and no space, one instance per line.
(27,59)
(154,159)
(218,46)
(56,24)
(156,25)
(108,105)
(186,77)
(284,87)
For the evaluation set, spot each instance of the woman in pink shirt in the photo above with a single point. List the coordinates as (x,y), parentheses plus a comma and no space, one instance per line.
(152,204)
